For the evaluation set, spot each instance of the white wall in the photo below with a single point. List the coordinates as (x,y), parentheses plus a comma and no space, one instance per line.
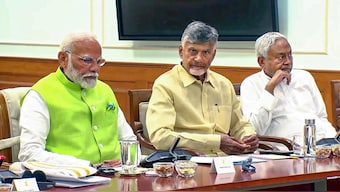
(35,28)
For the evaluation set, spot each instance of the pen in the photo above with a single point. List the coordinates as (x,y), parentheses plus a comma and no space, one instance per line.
(218,109)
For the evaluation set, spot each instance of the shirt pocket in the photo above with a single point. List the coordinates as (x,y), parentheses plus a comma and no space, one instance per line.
(221,115)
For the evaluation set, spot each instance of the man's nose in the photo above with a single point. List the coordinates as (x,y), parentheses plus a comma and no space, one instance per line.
(94,67)
(199,56)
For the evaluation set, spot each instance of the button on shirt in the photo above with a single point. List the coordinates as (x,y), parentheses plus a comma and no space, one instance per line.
(284,113)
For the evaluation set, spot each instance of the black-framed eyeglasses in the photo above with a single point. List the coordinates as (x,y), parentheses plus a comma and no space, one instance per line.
(89,60)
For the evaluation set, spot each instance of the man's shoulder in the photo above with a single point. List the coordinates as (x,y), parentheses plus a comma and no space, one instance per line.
(301,73)
(45,81)
(215,74)
(169,75)
(253,77)
(102,84)
(104,87)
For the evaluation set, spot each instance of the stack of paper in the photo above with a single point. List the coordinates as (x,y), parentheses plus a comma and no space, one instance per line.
(60,170)
(66,175)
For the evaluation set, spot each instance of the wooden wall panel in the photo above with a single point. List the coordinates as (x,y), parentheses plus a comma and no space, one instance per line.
(122,76)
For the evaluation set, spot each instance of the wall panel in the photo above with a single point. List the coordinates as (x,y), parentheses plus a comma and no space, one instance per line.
(122,76)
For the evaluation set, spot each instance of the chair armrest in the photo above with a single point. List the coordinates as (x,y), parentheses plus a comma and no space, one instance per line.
(137,126)
(140,136)
(267,146)
(287,142)
(9,142)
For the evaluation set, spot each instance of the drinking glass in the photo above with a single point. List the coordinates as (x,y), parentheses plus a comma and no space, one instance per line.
(298,145)
(129,156)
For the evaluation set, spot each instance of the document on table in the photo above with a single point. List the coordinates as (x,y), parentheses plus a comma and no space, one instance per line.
(270,156)
(63,175)
(79,182)
(236,159)
(60,170)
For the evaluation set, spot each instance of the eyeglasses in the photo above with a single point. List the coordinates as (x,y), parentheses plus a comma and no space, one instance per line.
(89,60)
(283,57)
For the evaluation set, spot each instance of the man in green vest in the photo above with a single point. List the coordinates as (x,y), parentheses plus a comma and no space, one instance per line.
(71,117)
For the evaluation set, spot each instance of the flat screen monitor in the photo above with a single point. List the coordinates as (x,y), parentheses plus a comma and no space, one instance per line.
(235,20)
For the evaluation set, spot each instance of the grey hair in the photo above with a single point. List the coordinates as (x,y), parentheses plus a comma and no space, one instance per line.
(263,43)
(70,39)
(199,32)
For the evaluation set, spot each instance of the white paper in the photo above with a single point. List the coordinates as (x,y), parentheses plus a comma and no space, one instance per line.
(236,159)
(204,160)
(270,156)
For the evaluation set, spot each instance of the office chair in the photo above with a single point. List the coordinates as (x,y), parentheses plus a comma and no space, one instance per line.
(9,120)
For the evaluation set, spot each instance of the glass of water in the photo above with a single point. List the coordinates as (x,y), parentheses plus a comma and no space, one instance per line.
(129,156)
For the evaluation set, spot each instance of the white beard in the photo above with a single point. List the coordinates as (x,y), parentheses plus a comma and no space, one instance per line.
(74,76)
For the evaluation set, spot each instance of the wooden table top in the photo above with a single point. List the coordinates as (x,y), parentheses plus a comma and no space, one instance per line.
(269,173)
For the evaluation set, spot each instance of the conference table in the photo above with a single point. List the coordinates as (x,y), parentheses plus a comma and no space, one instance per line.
(269,174)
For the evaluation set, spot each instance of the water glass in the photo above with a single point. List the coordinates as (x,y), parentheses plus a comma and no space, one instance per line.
(129,156)
(298,145)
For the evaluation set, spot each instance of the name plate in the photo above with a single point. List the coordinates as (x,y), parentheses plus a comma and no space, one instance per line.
(27,184)
(222,165)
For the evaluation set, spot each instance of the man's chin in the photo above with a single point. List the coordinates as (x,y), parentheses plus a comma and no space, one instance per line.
(88,84)
(195,72)
(287,69)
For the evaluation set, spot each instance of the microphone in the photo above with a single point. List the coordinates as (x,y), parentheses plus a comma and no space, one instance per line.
(173,147)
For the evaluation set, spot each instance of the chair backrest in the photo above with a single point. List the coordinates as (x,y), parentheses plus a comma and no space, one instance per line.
(237,88)
(335,85)
(139,99)
(136,96)
(9,119)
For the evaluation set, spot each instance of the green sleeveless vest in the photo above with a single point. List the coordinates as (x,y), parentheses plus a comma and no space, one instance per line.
(83,122)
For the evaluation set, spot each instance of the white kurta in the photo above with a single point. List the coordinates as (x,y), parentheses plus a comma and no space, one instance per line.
(284,113)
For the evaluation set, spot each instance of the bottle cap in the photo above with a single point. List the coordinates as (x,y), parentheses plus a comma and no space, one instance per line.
(309,121)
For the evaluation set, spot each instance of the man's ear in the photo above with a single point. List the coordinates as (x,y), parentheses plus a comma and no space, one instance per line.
(62,59)
(180,51)
(260,61)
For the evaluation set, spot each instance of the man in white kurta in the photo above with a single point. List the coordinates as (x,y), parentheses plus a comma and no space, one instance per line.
(278,99)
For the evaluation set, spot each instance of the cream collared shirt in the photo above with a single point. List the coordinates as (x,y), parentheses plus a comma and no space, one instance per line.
(181,106)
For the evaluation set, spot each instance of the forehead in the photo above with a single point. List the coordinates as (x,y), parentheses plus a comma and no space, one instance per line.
(198,46)
(280,46)
(86,45)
